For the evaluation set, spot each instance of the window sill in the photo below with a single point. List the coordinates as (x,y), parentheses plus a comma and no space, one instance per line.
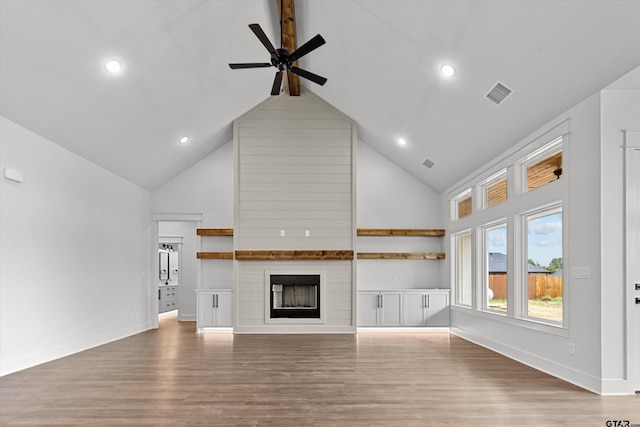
(531,324)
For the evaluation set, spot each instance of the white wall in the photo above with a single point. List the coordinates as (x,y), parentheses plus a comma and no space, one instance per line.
(74,253)
(389,197)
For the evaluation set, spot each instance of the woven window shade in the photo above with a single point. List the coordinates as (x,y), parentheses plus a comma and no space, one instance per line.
(464,207)
(496,192)
(542,172)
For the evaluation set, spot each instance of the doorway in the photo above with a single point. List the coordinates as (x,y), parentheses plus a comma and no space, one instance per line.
(178,231)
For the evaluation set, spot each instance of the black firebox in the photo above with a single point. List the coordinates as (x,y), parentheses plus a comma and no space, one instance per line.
(295,296)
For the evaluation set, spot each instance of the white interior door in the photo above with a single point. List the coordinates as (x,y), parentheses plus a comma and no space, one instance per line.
(632,167)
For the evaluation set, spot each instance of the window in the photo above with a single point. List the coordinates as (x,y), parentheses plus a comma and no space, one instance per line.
(544,264)
(506,255)
(495,261)
(462,204)
(494,189)
(463,272)
(544,165)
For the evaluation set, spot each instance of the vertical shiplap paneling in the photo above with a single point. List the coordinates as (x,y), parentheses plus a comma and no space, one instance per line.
(294,174)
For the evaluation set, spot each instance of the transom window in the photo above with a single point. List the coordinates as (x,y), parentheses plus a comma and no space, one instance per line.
(544,166)
(494,189)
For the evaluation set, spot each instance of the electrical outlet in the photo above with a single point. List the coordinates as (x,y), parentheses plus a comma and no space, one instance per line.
(572,348)
(307,233)
(581,273)
(395,276)
(282,233)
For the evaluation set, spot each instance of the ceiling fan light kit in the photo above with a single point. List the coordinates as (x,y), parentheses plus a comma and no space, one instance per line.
(284,60)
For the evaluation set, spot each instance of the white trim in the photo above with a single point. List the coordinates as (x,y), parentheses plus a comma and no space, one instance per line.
(408,329)
(173,240)
(159,216)
(631,269)
(293,329)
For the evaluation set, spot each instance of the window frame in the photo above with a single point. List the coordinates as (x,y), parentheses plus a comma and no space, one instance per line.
(523,300)
(483,231)
(456,268)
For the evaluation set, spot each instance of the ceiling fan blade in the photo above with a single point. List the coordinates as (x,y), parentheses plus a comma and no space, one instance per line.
(250,65)
(257,30)
(312,44)
(277,83)
(308,75)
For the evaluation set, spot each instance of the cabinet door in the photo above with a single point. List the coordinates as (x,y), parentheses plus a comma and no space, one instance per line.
(206,310)
(224,309)
(368,303)
(437,309)
(391,310)
(415,304)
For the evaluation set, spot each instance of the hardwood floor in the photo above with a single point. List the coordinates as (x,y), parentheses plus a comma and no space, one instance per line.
(175,377)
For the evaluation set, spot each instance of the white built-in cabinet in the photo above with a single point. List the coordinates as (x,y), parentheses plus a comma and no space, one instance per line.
(379,308)
(215,308)
(410,307)
(426,308)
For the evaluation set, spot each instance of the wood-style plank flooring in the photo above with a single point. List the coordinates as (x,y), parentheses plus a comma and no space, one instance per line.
(175,377)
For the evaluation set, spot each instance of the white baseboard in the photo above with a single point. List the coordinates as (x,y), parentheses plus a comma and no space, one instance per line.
(294,329)
(15,365)
(565,373)
(414,329)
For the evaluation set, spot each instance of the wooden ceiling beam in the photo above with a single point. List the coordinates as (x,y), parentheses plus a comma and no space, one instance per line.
(286,10)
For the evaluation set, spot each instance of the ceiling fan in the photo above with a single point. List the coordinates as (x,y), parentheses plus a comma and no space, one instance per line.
(283,60)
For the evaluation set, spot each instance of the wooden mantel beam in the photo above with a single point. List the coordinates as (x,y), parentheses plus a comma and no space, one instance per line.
(286,9)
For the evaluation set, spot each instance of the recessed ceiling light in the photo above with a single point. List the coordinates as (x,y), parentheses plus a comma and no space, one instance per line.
(113,66)
(447,70)
(184,140)
(401,141)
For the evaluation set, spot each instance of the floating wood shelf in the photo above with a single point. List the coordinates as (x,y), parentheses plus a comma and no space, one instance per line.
(401,255)
(214,231)
(425,232)
(214,255)
(279,255)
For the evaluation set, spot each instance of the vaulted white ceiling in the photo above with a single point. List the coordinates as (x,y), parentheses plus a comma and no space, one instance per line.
(382,60)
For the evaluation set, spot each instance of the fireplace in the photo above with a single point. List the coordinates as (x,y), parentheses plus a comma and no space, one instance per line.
(294,296)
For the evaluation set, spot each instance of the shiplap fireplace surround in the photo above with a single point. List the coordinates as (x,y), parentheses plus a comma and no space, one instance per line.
(294,211)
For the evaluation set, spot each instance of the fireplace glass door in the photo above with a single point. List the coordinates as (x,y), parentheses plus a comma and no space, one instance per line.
(295,296)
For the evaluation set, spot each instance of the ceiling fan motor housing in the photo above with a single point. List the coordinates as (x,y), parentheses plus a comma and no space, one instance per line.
(280,59)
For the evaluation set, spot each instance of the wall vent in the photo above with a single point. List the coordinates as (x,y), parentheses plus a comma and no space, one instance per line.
(428,163)
(498,93)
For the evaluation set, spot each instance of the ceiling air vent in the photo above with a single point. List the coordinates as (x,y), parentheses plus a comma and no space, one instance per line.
(498,94)
(428,163)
